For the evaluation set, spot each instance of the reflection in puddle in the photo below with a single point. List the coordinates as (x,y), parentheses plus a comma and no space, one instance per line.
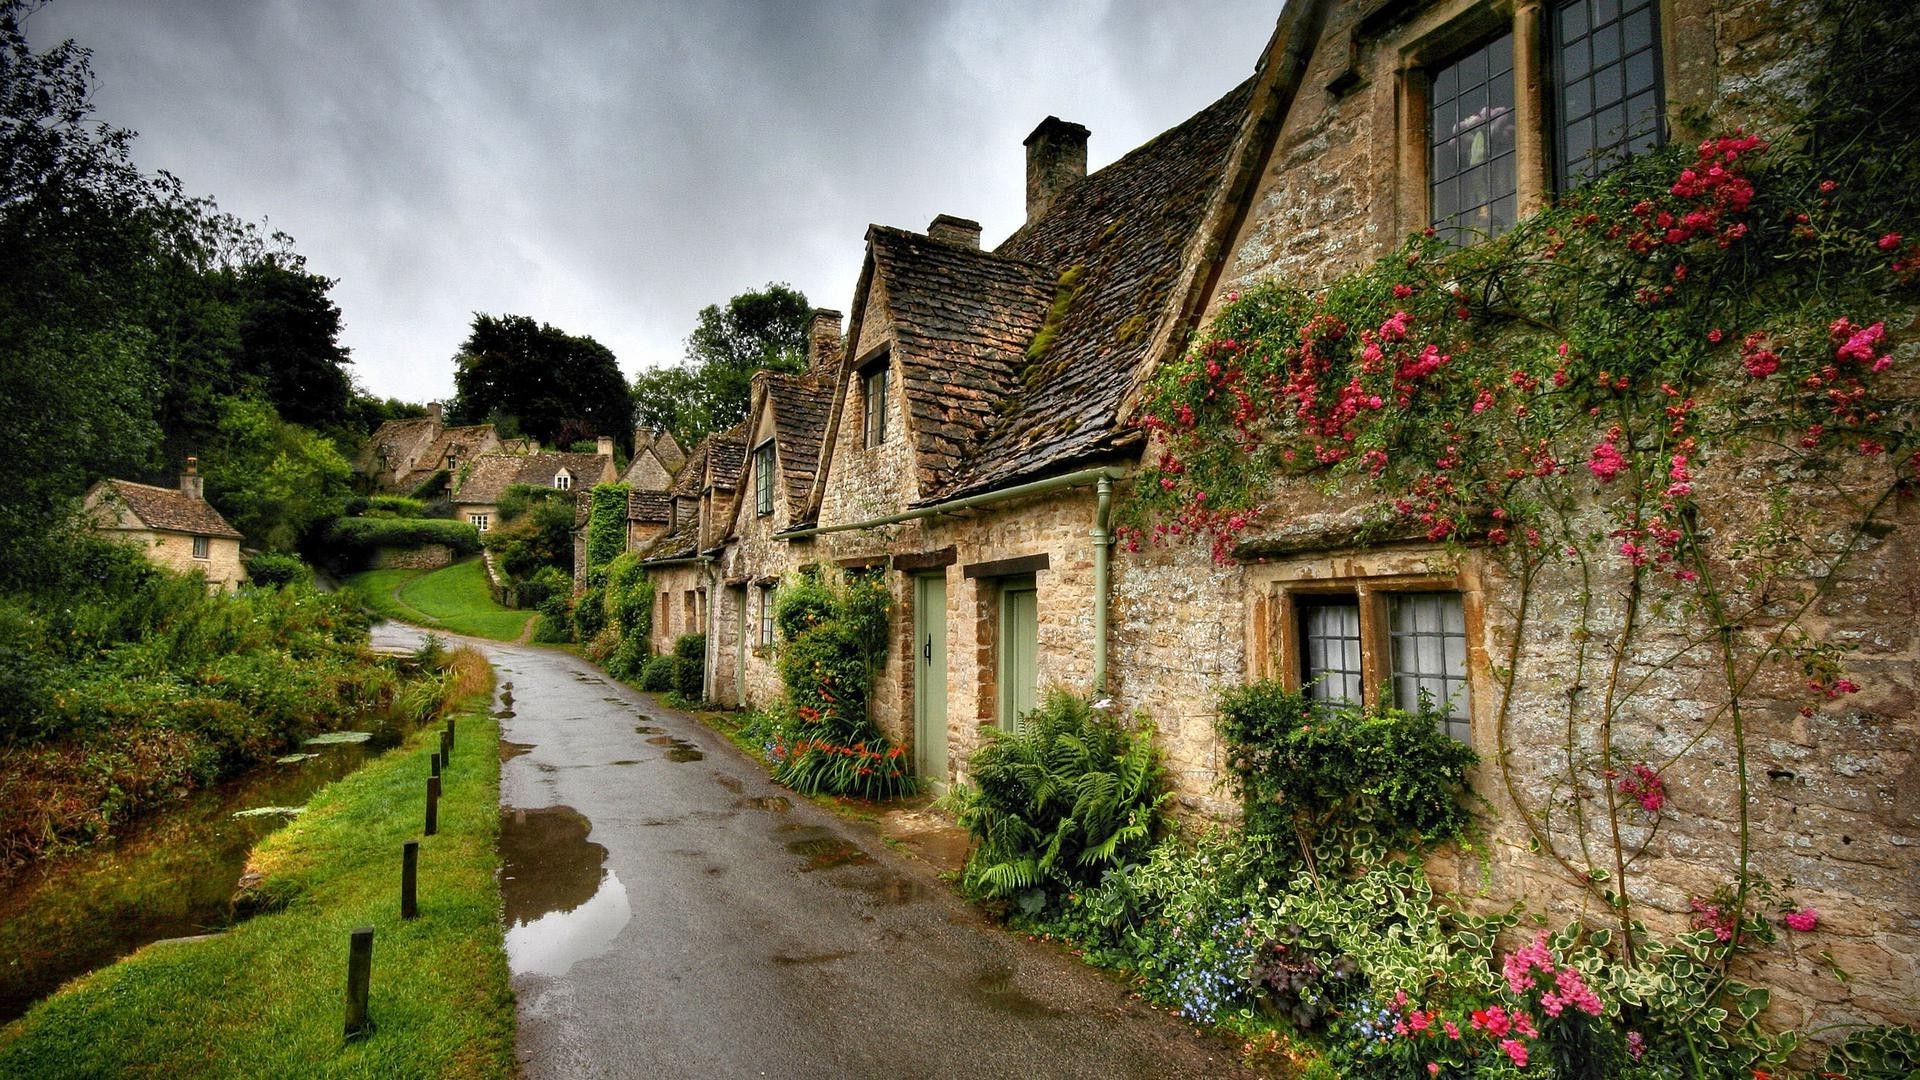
(994,987)
(647,729)
(731,783)
(626,761)
(511,750)
(776,804)
(891,891)
(794,959)
(827,852)
(677,749)
(563,905)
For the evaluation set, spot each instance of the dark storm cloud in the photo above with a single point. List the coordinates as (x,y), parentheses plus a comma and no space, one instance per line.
(612,167)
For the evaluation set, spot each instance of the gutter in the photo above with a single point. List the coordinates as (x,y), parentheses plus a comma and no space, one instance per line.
(1101,535)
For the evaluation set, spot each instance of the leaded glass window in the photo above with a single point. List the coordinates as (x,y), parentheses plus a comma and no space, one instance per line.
(1470,135)
(1607,77)
(763,480)
(1428,634)
(1330,649)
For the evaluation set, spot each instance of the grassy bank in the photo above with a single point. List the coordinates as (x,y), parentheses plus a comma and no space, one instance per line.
(266,998)
(453,598)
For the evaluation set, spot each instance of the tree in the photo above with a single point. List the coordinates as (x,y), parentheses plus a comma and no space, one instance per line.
(755,331)
(274,481)
(551,382)
(289,338)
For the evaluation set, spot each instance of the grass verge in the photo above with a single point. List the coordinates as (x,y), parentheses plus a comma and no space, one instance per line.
(454,598)
(267,997)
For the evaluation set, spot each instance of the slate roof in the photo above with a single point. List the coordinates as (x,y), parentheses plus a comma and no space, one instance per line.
(962,320)
(727,455)
(693,473)
(464,443)
(801,404)
(652,507)
(492,474)
(171,510)
(391,442)
(1116,241)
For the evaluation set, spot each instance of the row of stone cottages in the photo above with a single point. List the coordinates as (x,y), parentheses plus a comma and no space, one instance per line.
(966,438)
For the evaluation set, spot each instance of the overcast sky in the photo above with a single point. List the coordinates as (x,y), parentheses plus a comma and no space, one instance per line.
(611,166)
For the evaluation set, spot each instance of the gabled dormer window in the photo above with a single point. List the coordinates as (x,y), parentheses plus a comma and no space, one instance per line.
(763,479)
(562,481)
(873,402)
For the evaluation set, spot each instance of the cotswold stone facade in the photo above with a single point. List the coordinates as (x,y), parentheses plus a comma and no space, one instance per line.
(174,527)
(966,441)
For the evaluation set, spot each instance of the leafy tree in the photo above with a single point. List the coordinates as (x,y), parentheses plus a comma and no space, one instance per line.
(535,531)
(555,384)
(289,338)
(761,330)
(273,480)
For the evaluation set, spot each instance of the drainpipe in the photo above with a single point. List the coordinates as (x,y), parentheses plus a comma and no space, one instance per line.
(1102,544)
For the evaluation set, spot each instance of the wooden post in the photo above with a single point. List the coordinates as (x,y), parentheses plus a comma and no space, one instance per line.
(410,879)
(359,975)
(449,732)
(446,748)
(433,805)
(433,764)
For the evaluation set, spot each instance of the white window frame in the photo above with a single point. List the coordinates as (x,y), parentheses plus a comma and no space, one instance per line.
(203,547)
(479,521)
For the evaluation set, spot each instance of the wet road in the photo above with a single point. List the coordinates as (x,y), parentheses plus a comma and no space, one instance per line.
(673,912)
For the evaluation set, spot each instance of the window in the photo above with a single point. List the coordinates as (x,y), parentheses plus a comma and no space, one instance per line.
(763,479)
(873,403)
(1330,649)
(562,481)
(1473,188)
(1350,646)
(202,547)
(1428,634)
(1606,66)
(765,636)
(478,521)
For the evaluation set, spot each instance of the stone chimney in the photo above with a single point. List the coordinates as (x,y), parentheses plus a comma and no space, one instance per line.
(192,484)
(434,412)
(603,446)
(1056,158)
(823,336)
(957,230)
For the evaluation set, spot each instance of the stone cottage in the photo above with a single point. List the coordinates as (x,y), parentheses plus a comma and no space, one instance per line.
(967,442)
(403,455)
(174,527)
(478,485)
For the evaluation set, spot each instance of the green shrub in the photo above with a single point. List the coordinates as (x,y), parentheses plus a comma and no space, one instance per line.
(590,613)
(1054,805)
(627,659)
(554,624)
(385,506)
(1332,781)
(267,569)
(690,659)
(548,582)
(357,538)
(660,674)
(803,602)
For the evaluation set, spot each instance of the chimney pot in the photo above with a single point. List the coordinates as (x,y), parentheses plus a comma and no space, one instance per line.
(1056,159)
(955,230)
(192,484)
(823,338)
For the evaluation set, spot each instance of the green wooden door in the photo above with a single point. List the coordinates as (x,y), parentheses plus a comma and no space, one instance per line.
(1019,649)
(930,679)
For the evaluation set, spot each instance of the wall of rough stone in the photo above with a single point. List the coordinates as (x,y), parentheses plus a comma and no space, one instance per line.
(673,585)
(424,557)
(866,483)
(222,567)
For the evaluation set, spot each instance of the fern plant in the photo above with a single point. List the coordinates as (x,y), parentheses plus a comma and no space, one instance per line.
(1074,792)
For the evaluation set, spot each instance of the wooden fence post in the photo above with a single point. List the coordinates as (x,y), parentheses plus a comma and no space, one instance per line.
(410,879)
(433,805)
(359,976)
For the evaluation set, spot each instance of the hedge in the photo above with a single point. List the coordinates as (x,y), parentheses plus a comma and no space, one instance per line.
(361,536)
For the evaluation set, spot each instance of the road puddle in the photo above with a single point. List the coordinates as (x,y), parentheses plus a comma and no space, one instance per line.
(627,761)
(677,749)
(799,959)
(563,904)
(890,891)
(730,782)
(511,750)
(647,729)
(827,852)
(773,804)
(995,987)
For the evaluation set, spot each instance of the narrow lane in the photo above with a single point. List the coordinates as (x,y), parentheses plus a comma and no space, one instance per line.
(673,912)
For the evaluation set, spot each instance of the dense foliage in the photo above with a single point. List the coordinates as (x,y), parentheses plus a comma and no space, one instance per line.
(538,380)
(139,684)
(606,525)
(1074,791)
(533,531)
(833,643)
(1321,781)
(762,330)
(354,539)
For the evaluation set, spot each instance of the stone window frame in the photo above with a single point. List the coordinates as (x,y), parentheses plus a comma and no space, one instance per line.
(563,481)
(203,547)
(1457,28)
(763,621)
(763,479)
(1283,589)
(876,378)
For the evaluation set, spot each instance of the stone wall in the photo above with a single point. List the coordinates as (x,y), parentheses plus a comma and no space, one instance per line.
(222,567)
(424,557)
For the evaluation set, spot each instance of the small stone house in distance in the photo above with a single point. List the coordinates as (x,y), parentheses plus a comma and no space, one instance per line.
(478,485)
(174,527)
(403,455)
(969,438)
